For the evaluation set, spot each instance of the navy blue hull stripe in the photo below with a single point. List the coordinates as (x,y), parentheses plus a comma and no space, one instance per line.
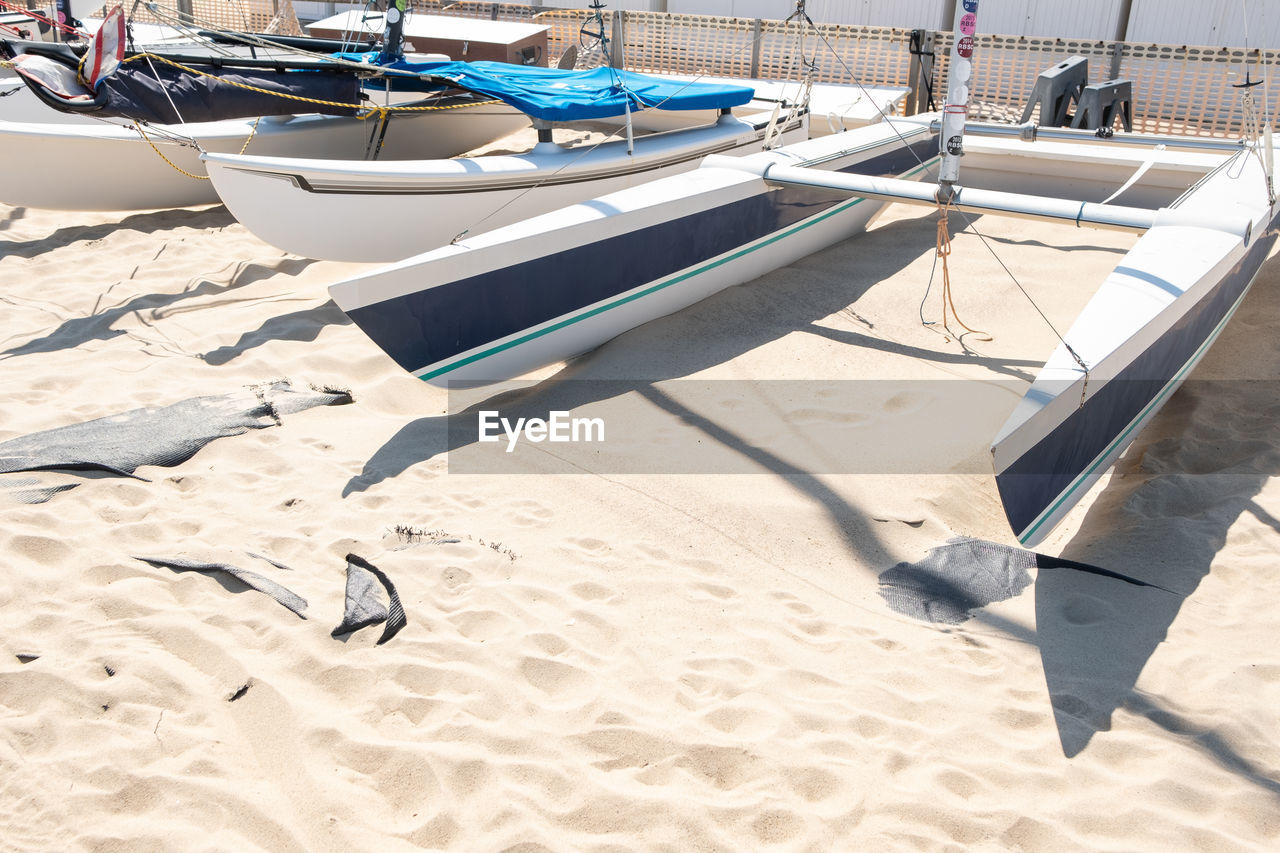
(1036,479)
(439,323)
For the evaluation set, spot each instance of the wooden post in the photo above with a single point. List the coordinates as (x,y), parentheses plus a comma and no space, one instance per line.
(921,77)
(1117,56)
(756,27)
(617,51)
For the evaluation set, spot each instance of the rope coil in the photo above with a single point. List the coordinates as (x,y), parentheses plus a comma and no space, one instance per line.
(944,251)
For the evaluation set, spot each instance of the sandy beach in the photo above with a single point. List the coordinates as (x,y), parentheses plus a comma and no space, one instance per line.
(613,661)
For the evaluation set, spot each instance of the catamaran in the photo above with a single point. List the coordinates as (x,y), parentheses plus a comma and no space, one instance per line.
(497,305)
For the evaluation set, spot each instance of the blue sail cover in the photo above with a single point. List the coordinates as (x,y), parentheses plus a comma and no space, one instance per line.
(554,94)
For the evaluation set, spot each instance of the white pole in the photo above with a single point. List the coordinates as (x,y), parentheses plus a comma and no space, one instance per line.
(959,73)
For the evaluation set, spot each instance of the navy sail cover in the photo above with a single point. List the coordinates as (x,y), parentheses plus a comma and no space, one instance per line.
(150,91)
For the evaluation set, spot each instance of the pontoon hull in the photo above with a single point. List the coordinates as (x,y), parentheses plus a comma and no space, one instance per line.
(1150,323)
(561,284)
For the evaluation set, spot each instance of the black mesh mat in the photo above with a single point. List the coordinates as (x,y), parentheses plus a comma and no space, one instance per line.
(265,585)
(965,574)
(363,606)
(163,436)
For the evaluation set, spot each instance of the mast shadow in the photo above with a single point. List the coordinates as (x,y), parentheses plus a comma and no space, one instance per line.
(1011,367)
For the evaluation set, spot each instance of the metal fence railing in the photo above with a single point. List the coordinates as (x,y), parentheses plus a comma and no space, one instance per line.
(1176,88)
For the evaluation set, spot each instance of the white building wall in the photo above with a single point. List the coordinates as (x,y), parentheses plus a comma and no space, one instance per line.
(769,10)
(1194,22)
(1206,22)
(616,5)
(883,13)
(926,14)
(1090,19)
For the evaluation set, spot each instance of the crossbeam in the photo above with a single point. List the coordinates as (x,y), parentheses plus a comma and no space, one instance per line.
(1083,214)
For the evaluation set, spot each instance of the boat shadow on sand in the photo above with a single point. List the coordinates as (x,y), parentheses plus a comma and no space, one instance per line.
(197,218)
(100,325)
(302,326)
(1196,470)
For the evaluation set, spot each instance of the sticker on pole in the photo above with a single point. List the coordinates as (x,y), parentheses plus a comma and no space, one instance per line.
(955,146)
(964,47)
(968,24)
(971,5)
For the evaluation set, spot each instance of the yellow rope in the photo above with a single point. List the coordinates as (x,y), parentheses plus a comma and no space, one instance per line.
(371,111)
(176,167)
(252,130)
(944,250)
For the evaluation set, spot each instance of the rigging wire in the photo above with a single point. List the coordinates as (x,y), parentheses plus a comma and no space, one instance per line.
(1256,125)
(968,222)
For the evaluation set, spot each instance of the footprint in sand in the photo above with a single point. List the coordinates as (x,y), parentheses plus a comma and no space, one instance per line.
(588,591)
(588,546)
(455,579)
(722,593)
(805,417)
(481,625)
(553,677)
(530,514)
(904,402)
(1086,610)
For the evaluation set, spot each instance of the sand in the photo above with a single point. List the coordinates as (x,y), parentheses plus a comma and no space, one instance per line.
(613,661)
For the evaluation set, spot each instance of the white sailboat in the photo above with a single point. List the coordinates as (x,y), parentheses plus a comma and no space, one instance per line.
(155,163)
(348,209)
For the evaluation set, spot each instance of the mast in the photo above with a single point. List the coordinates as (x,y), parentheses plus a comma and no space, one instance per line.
(954,112)
(63,16)
(393,36)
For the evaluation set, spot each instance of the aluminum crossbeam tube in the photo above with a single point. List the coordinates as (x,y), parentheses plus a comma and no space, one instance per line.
(970,200)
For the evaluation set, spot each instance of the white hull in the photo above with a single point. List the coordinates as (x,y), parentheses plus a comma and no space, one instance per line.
(386,211)
(119,170)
